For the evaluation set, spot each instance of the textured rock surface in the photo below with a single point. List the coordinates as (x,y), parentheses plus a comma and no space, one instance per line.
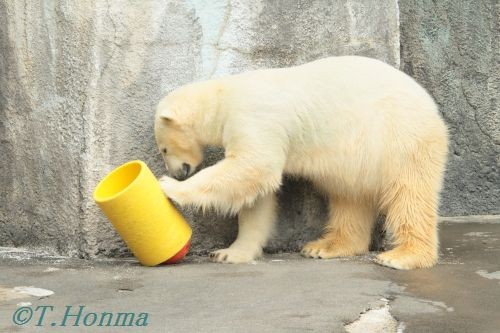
(79,82)
(453,49)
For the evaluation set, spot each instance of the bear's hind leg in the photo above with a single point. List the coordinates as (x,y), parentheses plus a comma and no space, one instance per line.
(412,224)
(348,232)
(411,200)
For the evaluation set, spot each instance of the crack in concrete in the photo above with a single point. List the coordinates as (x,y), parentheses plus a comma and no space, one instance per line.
(397,44)
(81,175)
(474,112)
(88,247)
(113,23)
(216,45)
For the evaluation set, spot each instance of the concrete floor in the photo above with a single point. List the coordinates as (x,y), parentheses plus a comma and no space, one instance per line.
(281,293)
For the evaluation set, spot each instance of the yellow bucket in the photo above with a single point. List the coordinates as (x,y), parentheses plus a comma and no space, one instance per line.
(153,229)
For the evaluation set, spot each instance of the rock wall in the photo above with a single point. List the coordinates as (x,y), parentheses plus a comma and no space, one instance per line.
(453,49)
(79,82)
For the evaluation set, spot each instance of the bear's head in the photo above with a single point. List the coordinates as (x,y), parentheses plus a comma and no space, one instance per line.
(175,136)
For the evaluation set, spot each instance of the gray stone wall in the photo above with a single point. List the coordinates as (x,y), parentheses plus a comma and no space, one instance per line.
(453,49)
(79,82)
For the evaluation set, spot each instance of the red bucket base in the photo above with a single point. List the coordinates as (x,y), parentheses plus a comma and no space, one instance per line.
(179,255)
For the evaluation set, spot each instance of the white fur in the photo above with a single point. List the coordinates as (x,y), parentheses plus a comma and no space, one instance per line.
(365,133)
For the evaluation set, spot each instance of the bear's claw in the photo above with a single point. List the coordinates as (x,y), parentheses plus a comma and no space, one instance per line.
(328,248)
(232,256)
(404,259)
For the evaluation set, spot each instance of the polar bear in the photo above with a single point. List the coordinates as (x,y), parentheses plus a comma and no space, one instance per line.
(366,134)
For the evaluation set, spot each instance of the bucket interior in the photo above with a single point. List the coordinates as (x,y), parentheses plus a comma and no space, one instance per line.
(117,181)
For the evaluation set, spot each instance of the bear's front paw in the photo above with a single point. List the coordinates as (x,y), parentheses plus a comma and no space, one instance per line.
(234,255)
(171,188)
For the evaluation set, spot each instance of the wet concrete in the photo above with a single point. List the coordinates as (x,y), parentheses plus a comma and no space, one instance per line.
(473,301)
(281,293)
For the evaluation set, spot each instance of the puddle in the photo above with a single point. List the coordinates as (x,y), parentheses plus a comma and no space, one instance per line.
(478,234)
(491,276)
(51,269)
(24,304)
(33,291)
(441,305)
(7,294)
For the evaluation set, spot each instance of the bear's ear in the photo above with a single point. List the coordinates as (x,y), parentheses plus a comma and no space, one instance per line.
(166,114)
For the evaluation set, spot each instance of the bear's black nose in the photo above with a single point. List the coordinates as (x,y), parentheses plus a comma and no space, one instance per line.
(185,169)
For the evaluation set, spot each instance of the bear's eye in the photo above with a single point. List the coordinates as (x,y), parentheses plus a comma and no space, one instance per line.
(164,150)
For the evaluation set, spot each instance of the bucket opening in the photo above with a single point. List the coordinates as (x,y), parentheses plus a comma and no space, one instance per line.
(117,181)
